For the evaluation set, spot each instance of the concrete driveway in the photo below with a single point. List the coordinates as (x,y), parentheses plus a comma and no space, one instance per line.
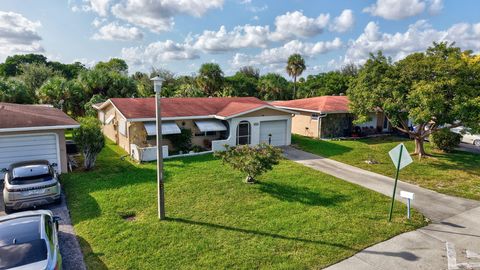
(69,248)
(451,241)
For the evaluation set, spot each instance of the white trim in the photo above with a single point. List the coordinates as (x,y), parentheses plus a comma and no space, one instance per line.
(109,101)
(173,118)
(254,110)
(37,128)
(312,111)
(59,156)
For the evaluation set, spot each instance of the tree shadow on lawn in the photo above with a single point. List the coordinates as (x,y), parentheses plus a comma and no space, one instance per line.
(259,233)
(302,195)
(92,260)
(456,160)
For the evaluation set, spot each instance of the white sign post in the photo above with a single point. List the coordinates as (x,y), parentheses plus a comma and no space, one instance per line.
(409,196)
(400,158)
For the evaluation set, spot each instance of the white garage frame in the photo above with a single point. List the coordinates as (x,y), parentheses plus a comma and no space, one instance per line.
(58,169)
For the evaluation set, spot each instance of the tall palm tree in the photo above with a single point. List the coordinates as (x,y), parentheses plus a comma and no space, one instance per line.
(295,68)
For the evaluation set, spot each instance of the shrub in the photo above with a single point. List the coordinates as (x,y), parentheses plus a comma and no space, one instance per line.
(445,140)
(90,140)
(183,141)
(252,161)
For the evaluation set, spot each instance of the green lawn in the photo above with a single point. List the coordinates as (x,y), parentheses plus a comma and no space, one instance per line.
(456,173)
(293,218)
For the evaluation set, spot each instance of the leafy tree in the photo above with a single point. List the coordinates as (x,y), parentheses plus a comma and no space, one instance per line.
(11,67)
(90,140)
(295,68)
(329,83)
(169,84)
(253,161)
(188,90)
(69,71)
(241,85)
(34,75)
(107,84)
(210,78)
(14,91)
(350,70)
(432,89)
(63,94)
(144,84)
(273,86)
(89,110)
(250,71)
(114,64)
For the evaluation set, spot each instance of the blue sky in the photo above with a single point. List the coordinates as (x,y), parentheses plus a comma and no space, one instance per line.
(181,34)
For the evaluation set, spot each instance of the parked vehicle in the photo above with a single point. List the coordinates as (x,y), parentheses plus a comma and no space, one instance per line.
(467,136)
(30,184)
(29,240)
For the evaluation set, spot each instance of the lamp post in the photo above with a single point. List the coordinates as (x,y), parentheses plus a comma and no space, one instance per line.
(157,85)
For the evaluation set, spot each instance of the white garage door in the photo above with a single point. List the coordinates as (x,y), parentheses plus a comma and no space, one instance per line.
(28,147)
(278,130)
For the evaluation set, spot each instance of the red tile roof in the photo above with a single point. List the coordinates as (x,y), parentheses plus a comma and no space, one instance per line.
(184,107)
(30,116)
(323,104)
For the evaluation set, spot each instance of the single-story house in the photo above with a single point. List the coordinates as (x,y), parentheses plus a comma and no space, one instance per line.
(214,122)
(32,132)
(329,117)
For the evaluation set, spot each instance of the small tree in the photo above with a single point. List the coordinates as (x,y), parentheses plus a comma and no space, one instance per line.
(295,68)
(89,139)
(183,141)
(252,161)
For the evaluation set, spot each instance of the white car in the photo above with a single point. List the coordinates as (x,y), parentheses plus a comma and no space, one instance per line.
(467,136)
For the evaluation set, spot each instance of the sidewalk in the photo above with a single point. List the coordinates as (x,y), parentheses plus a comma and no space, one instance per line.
(455,221)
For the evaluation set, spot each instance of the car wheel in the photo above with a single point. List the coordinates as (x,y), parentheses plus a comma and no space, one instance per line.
(476,143)
(8,210)
(58,201)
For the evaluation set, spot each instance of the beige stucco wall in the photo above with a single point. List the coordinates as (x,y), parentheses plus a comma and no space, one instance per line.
(303,124)
(61,141)
(111,130)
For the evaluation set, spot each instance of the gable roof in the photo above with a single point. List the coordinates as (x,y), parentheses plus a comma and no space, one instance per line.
(215,107)
(322,104)
(18,117)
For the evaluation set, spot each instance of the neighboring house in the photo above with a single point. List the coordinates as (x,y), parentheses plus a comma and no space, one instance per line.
(330,117)
(214,122)
(32,132)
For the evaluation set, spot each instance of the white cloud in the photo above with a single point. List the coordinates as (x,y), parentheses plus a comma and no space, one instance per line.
(343,22)
(240,37)
(100,6)
(97,22)
(296,25)
(158,15)
(18,35)
(400,9)
(113,31)
(158,52)
(280,54)
(418,37)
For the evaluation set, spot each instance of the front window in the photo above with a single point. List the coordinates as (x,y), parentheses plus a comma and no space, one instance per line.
(243,133)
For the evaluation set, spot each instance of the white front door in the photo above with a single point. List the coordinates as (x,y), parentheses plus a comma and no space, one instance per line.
(18,148)
(273,132)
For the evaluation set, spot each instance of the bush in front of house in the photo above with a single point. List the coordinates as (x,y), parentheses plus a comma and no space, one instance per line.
(183,141)
(445,140)
(89,139)
(253,161)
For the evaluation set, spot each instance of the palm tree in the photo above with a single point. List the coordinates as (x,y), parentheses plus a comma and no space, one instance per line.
(295,68)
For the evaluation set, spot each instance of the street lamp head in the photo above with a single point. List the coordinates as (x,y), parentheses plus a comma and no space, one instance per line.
(157,84)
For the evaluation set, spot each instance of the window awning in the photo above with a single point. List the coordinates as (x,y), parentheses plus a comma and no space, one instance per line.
(167,128)
(210,125)
(109,119)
